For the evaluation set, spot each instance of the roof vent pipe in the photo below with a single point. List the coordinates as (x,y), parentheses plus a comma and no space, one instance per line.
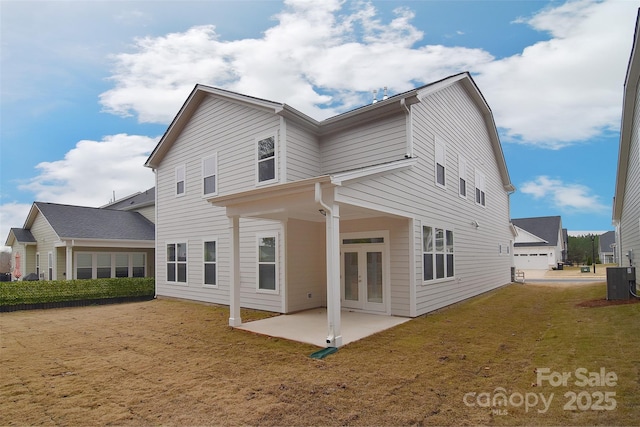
(375,96)
(385,94)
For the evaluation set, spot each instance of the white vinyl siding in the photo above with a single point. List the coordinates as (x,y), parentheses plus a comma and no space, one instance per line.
(181,184)
(303,154)
(191,218)
(364,145)
(210,175)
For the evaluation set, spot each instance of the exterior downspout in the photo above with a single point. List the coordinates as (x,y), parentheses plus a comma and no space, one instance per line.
(332,214)
(409,151)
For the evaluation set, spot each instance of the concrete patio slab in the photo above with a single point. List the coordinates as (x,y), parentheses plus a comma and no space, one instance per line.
(310,326)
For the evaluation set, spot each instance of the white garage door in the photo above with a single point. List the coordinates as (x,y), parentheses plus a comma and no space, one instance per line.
(531,261)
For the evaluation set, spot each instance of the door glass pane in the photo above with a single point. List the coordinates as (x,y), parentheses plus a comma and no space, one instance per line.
(374,277)
(351,276)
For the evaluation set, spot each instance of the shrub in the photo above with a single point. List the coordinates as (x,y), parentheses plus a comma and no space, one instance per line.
(25,292)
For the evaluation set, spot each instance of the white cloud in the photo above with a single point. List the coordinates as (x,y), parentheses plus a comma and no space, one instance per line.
(569,88)
(90,173)
(314,59)
(566,197)
(325,57)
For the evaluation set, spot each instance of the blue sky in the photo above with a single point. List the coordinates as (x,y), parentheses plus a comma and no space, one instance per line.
(88,87)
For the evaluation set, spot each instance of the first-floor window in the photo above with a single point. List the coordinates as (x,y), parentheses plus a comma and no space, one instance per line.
(50,265)
(437,253)
(38,265)
(210,263)
(84,266)
(103,265)
(267,277)
(177,262)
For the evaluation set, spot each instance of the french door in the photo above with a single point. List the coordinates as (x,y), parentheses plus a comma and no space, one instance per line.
(363,276)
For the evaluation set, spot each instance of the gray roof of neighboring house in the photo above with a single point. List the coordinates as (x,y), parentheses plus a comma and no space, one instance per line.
(22,235)
(606,241)
(137,200)
(79,222)
(545,227)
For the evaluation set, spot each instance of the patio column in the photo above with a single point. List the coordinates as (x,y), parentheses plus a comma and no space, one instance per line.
(334,336)
(69,263)
(234,271)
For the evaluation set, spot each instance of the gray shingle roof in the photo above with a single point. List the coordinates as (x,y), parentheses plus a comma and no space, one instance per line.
(606,241)
(79,222)
(135,200)
(23,236)
(545,227)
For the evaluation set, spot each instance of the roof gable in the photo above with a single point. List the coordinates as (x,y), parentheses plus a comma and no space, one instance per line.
(546,229)
(393,104)
(19,235)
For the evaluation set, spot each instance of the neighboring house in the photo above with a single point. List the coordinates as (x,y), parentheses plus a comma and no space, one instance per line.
(626,203)
(398,208)
(606,247)
(143,202)
(540,244)
(59,242)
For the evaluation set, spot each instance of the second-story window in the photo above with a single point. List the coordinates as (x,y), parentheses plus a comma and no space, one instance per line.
(266,159)
(480,189)
(180,179)
(440,163)
(210,175)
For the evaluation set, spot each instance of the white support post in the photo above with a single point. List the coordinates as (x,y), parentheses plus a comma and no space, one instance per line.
(334,336)
(69,263)
(234,271)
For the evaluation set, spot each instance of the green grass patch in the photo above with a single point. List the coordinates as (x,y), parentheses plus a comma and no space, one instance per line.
(36,292)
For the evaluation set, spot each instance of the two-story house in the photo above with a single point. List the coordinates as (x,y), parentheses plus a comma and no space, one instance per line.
(398,208)
(626,202)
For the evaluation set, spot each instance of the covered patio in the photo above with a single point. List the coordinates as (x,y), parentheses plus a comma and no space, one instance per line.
(310,326)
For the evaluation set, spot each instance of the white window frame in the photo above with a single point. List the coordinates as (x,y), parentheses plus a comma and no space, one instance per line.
(440,159)
(176,262)
(209,169)
(205,262)
(480,195)
(112,255)
(445,252)
(180,176)
(275,158)
(462,177)
(276,263)
(38,264)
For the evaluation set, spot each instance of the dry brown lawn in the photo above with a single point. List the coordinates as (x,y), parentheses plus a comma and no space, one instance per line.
(166,362)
